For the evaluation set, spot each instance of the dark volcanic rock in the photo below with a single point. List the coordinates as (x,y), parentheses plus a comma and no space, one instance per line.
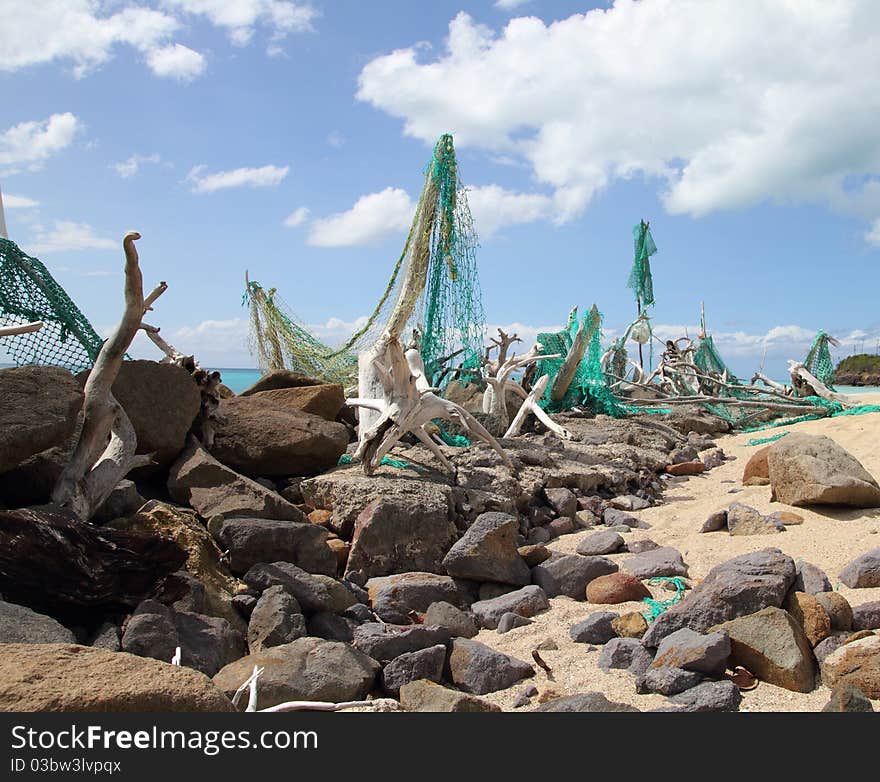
(569,574)
(692,651)
(709,696)
(810,579)
(276,619)
(21,625)
(866,616)
(252,541)
(424,695)
(413,666)
(385,642)
(585,702)
(511,621)
(668,681)
(663,561)
(595,629)
(459,623)
(863,571)
(315,593)
(477,669)
(619,653)
(737,587)
(394,597)
(527,601)
(601,542)
(488,552)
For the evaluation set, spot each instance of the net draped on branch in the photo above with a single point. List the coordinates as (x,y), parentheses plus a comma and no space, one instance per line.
(433,287)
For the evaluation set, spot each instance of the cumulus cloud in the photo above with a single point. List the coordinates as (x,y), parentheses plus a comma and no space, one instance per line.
(721,104)
(494,207)
(70,236)
(510,5)
(176,61)
(873,235)
(128,168)
(297,217)
(11,201)
(265,176)
(371,219)
(30,143)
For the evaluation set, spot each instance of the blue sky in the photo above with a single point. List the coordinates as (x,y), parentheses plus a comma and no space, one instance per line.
(289,139)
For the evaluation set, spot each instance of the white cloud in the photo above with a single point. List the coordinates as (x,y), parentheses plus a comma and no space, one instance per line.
(11,201)
(265,176)
(297,217)
(494,207)
(372,218)
(510,5)
(176,61)
(873,234)
(30,143)
(745,111)
(128,168)
(69,236)
(336,330)
(240,17)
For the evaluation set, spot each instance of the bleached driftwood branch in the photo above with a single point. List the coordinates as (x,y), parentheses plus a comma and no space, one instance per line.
(376,703)
(530,405)
(405,404)
(498,377)
(569,366)
(801,377)
(97,465)
(21,328)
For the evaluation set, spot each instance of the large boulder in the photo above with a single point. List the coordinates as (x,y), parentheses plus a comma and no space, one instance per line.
(757,469)
(527,601)
(251,541)
(197,479)
(488,552)
(393,536)
(815,470)
(280,378)
(39,410)
(738,587)
(413,666)
(324,400)
(660,561)
(863,571)
(772,645)
(266,434)
(856,663)
(477,669)
(20,625)
(70,678)
(309,669)
(203,558)
(275,620)
(316,593)
(395,597)
(385,642)
(207,643)
(691,651)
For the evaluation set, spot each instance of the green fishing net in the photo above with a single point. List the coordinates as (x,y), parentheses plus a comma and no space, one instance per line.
(29,293)
(640,279)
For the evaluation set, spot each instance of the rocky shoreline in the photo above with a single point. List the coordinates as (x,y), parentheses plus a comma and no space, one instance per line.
(405,588)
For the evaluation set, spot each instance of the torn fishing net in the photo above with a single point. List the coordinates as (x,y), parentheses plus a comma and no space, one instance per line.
(640,279)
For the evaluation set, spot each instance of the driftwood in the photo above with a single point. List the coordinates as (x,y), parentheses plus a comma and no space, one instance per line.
(56,562)
(21,328)
(404,405)
(567,371)
(97,466)
(530,405)
(807,384)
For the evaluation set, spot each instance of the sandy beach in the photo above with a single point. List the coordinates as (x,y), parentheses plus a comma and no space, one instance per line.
(828,538)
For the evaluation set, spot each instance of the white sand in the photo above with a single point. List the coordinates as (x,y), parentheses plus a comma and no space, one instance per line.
(827,538)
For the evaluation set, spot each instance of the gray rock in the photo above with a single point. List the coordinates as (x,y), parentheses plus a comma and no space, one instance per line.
(709,696)
(207,643)
(107,637)
(477,669)
(815,470)
(244,604)
(745,520)
(489,590)
(667,680)
(314,592)
(810,579)
(276,619)
(252,541)
(595,629)
(309,669)
(332,627)
(716,521)
(413,666)
(601,542)
(384,642)
(585,702)
(424,695)
(737,587)
(393,536)
(629,502)
(569,574)
(510,621)
(394,597)
(359,612)
(197,479)
(830,644)
(846,697)
(124,500)
(866,616)
(459,623)
(39,411)
(641,546)
(615,518)
(618,653)
(488,551)
(20,625)
(662,561)
(527,601)
(562,501)
(692,651)
(863,571)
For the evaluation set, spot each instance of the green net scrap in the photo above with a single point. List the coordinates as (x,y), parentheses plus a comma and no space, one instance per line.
(28,293)
(640,279)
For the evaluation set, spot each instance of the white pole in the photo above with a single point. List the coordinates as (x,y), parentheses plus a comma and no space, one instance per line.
(3,231)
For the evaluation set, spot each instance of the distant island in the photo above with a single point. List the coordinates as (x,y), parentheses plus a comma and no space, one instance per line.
(862,369)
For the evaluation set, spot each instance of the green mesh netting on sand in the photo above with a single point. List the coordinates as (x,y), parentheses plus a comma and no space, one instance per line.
(29,293)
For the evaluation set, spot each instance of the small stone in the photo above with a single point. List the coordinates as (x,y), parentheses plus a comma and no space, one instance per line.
(413,666)
(709,696)
(744,520)
(847,697)
(810,579)
(757,470)
(586,519)
(616,588)
(561,526)
(866,616)
(863,571)
(527,601)
(534,554)
(509,621)
(618,653)
(632,625)
(809,614)
(668,681)
(693,651)
(713,458)
(629,502)
(459,623)
(614,518)
(663,561)
(547,644)
(601,542)
(562,501)
(477,669)
(788,518)
(424,695)
(641,546)
(585,702)
(716,521)
(595,629)
(686,468)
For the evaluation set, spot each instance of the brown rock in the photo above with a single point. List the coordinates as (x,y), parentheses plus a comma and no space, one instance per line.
(788,518)
(686,468)
(280,378)
(838,609)
(616,588)
(757,469)
(856,663)
(810,615)
(424,695)
(67,677)
(534,554)
(324,400)
(340,550)
(321,517)
(632,625)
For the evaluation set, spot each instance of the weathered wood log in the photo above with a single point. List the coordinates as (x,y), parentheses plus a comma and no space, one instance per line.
(567,371)
(530,405)
(22,328)
(54,561)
